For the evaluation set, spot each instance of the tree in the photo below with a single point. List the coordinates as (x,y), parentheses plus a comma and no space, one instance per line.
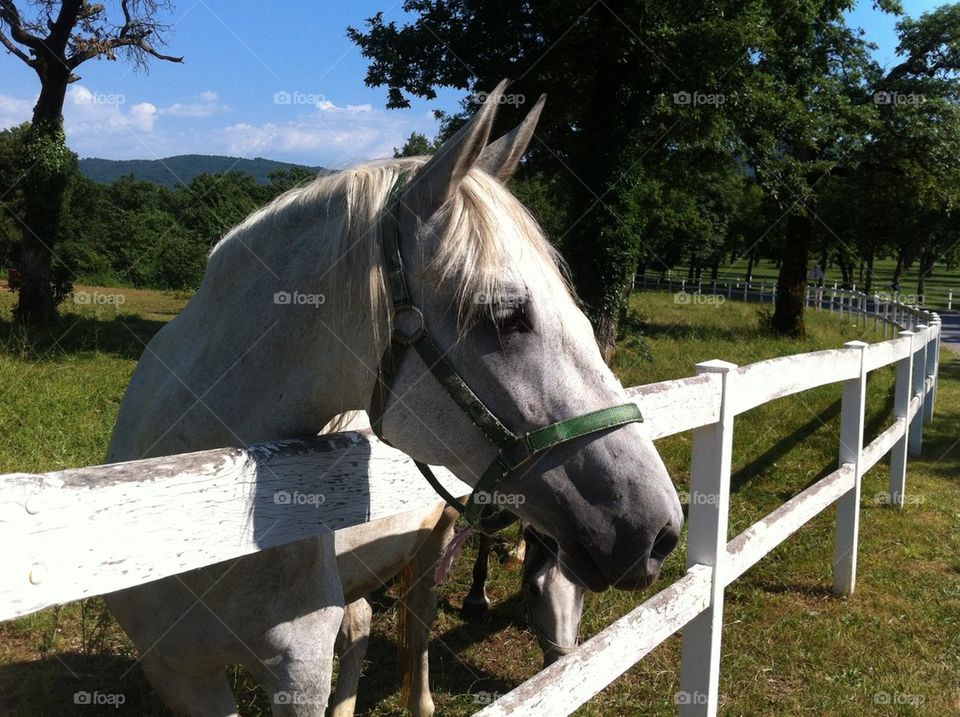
(612,121)
(55,38)
(806,111)
(417,145)
(11,145)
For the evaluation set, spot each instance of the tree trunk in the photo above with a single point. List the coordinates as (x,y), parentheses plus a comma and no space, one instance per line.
(869,284)
(927,262)
(45,164)
(604,252)
(898,271)
(792,281)
(749,268)
(714,270)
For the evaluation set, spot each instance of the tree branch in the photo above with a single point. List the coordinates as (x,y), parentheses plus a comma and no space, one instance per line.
(106,48)
(10,15)
(6,42)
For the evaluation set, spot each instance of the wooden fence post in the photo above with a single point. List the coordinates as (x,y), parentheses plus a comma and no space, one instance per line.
(915,443)
(901,403)
(933,366)
(709,506)
(851,448)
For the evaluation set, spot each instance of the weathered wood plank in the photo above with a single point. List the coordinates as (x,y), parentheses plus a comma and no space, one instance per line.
(568,683)
(769,380)
(881,445)
(884,353)
(93,530)
(745,550)
(683,404)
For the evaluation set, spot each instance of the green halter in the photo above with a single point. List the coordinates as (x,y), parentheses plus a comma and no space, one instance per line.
(514,450)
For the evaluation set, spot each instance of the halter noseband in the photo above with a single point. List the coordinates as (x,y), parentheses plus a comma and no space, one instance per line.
(514,450)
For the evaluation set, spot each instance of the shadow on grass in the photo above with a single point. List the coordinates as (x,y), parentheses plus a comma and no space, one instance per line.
(681,332)
(941,438)
(68,683)
(876,421)
(123,336)
(450,672)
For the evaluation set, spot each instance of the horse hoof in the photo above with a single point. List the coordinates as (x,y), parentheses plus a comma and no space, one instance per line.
(473,609)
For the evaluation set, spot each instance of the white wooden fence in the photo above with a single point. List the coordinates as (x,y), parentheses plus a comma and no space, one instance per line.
(765,290)
(75,533)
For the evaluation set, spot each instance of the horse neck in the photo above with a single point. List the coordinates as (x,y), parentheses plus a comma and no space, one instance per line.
(324,348)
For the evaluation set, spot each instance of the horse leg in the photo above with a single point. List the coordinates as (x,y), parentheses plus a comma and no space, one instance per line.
(418,608)
(476,603)
(197,695)
(298,666)
(351,647)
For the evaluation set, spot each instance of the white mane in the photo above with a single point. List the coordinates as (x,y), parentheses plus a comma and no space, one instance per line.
(486,225)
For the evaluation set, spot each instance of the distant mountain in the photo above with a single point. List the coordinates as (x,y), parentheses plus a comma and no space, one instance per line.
(182,168)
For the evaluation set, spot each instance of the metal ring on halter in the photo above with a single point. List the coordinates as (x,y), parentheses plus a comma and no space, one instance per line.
(398,335)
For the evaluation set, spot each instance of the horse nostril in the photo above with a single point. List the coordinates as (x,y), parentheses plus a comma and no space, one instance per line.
(666,541)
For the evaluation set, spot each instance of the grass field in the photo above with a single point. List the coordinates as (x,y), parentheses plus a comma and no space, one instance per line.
(790,648)
(939,283)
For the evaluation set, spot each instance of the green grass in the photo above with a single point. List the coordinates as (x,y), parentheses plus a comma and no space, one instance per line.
(939,283)
(789,647)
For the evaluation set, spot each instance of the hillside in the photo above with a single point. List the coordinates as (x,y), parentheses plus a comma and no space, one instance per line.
(182,168)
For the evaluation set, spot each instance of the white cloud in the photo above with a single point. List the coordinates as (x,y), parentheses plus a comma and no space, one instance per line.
(14,111)
(108,125)
(207,104)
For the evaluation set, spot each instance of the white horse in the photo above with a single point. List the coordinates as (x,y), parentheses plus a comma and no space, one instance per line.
(288,329)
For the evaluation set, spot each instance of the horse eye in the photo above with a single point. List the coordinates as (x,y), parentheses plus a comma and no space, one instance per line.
(513,320)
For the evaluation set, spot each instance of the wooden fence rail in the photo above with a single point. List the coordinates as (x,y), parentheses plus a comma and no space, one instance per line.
(77,533)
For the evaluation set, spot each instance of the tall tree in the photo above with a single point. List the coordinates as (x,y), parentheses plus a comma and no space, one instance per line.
(807,111)
(612,70)
(55,37)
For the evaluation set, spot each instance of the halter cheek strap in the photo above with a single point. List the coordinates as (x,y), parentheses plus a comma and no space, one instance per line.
(409,331)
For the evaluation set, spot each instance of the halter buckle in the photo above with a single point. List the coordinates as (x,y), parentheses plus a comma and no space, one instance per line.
(515,454)
(418,331)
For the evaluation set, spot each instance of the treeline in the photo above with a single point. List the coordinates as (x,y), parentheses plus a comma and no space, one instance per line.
(138,233)
(688,133)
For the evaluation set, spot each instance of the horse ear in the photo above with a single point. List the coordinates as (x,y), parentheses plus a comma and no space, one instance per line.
(501,158)
(439,178)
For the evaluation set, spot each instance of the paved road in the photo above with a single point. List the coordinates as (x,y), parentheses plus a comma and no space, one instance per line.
(950,331)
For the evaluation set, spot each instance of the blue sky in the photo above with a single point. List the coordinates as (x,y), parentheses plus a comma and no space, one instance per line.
(277,80)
